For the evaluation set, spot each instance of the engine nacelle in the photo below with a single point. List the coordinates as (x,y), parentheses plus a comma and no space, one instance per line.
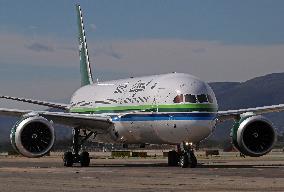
(254,135)
(32,136)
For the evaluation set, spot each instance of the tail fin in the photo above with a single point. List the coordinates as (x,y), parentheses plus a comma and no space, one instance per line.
(85,68)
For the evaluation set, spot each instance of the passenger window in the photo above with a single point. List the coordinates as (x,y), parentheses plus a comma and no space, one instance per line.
(190,98)
(210,99)
(178,99)
(202,98)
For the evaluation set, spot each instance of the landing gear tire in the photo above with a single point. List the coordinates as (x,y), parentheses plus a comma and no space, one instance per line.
(68,159)
(173,158)
(85,159)
(192,160)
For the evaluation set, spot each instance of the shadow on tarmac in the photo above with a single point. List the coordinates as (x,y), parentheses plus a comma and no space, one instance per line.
(263,166)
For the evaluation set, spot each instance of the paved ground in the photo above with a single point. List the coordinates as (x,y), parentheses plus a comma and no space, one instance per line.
(225,173)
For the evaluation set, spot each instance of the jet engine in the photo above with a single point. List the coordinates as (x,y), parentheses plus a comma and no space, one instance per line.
(253,135)
(32,136)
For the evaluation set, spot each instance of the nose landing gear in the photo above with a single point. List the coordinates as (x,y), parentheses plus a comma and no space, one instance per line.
(184,156)
(188,159)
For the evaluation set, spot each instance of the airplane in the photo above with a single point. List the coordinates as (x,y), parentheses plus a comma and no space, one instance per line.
(174,108)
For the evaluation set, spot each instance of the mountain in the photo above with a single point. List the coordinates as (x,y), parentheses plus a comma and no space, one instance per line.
(265,90)
(259,91)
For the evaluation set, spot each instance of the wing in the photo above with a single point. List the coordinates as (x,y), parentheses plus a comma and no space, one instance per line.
(235,114)
(88,121)
(37,102)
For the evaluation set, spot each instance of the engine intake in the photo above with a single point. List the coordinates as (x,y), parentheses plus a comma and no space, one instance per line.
(32,136)
(254,135)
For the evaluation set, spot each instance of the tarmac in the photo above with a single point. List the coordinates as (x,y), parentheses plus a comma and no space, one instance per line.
(226,172)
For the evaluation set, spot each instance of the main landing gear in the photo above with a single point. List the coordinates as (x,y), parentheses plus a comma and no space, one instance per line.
(74,157)
(183,156)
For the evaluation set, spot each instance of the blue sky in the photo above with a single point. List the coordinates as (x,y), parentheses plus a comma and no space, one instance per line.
(246,22)
(220,40)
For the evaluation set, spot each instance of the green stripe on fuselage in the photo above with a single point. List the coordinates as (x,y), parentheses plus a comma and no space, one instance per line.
(148,108)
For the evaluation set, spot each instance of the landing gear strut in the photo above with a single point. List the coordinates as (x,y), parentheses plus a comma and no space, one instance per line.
(74,157)
(184,156)
(187,157)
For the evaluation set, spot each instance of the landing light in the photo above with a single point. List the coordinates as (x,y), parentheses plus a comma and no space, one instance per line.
(187,143)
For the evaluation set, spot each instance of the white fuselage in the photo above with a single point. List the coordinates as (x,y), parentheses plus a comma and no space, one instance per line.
(160,109)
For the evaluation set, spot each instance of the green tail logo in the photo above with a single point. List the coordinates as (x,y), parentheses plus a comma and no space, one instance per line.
(85,68)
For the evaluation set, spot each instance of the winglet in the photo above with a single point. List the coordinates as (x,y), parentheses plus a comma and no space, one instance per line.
(85,68)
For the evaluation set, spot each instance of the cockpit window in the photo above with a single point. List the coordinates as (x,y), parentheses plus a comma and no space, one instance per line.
(190,98)
(202,98)
(178,99)
(210,99)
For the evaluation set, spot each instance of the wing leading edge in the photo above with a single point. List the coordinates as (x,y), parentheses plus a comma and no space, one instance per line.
(235,114)
(87,121)
(37,102)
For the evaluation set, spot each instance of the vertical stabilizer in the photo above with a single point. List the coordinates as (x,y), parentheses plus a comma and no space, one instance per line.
(85,68)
